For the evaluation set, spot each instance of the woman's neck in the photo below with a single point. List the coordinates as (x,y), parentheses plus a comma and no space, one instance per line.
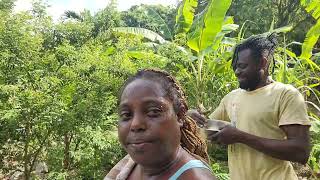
(164,166)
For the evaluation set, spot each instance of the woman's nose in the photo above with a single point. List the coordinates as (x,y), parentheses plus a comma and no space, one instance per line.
(138,123)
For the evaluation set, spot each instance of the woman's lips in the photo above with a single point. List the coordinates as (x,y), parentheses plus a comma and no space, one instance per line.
(139,146)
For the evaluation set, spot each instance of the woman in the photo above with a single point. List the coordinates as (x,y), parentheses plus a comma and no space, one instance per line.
(161,141)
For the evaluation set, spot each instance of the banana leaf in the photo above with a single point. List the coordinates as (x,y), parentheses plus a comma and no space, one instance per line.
(207,25)
(185,15)
(146,33)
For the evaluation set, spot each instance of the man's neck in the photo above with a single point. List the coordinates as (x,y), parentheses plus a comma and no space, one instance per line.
(266,81)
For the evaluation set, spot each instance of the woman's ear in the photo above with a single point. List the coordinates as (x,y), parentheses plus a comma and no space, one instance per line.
(180,120)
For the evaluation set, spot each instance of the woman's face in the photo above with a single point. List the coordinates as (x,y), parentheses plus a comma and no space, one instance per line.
(148,127)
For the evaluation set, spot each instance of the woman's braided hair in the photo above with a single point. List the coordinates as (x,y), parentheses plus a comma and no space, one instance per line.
(191,140)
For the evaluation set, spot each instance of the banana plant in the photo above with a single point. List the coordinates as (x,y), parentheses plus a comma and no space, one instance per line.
(185,15)
(312,36)
(312,7)
(154,38)
(206,25)
(165,30)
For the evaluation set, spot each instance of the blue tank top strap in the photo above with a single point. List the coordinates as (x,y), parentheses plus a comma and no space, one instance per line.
(189,165)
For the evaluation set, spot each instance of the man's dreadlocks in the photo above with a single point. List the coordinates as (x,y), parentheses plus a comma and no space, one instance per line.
(260,45)
(191,140)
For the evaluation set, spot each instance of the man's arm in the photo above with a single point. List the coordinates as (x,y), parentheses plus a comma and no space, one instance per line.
(295,148)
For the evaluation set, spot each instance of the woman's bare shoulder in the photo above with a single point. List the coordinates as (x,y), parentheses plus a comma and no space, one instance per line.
(197,173)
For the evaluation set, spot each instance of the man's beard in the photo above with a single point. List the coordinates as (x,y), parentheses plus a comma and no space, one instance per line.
(251,83)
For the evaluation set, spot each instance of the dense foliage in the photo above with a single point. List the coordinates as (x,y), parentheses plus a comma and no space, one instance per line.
(59,80)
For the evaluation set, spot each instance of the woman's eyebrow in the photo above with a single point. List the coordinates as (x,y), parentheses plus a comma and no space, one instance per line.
(123,106)
(145,101)
(153,102)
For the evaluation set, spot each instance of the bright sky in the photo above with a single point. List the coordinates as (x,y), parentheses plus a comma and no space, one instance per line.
(58,7)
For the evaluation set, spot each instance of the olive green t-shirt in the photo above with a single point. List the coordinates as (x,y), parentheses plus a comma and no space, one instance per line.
(261,112)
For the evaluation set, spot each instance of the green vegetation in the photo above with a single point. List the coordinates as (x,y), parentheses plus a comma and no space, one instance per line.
(59,80)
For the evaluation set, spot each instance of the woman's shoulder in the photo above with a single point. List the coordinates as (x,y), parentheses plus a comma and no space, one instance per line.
(197,173)
(193,168)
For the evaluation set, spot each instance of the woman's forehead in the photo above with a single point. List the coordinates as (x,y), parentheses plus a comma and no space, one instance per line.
(145,101)
(141,88)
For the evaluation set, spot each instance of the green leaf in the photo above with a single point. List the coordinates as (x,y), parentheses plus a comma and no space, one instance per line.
(314,85)
(272,25)
(143,55)
(312,6)
(313,105)
(73,15)
(283,29)
(229,41)
(227,28)
(207,25)
(228,25)
(67,93)
(288,52)
(315,126)
(109,51)
(310,40)
(185,16)
(148,34)
(166,30)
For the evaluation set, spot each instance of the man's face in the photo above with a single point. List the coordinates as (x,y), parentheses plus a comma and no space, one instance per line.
(247,70)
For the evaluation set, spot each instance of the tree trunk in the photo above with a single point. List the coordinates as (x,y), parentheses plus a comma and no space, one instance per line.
(26,158)
(66,160)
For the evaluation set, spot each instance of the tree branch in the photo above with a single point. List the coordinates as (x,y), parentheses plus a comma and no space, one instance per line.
(36,154)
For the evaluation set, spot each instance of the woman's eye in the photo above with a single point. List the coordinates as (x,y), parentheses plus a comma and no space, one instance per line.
(154,112)
(125,116)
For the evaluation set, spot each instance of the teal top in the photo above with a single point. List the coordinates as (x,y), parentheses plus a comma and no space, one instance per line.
(189,165)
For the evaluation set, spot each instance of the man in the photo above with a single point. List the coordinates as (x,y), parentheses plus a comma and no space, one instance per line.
(270,126)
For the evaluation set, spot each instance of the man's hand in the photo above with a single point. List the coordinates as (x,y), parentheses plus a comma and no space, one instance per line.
(296,147)
(227,135)
(199,118)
